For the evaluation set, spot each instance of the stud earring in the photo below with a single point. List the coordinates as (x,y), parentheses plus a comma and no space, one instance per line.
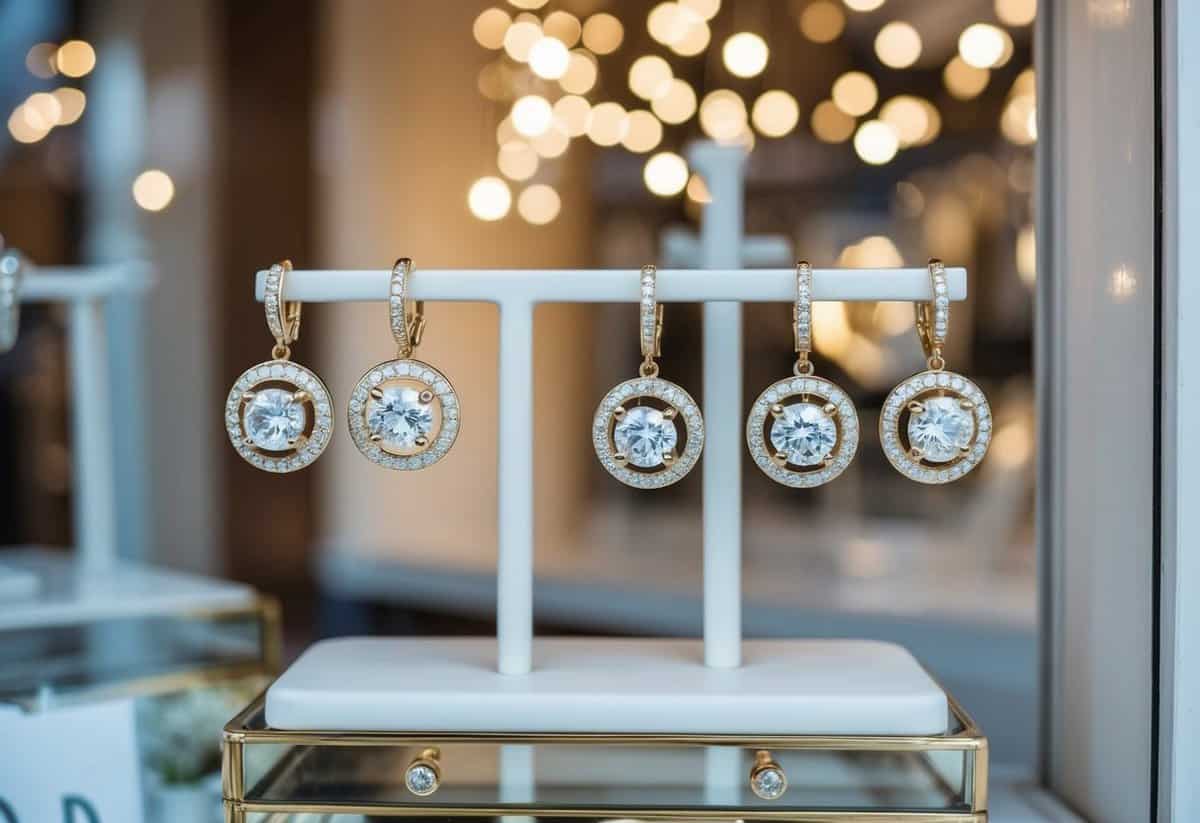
(11,272)
(803,430)
(636,430)
(278,414)
(936,425)
(404,412)
(767,778)
(424,774)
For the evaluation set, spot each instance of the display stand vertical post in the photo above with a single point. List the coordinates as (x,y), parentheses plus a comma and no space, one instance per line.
(514,570)
(721,248)
(721,233)
(91,427)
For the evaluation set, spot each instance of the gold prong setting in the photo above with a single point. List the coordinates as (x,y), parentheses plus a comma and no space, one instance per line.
(404,415)
(279,416)
(908,416)
(664,411)
(827,412)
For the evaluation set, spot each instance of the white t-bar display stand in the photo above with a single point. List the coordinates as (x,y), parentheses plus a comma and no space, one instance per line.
(84,289)
(481,685)
(41,587)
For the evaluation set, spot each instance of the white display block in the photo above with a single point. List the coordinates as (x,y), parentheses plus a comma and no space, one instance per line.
(67,591)
(599,685)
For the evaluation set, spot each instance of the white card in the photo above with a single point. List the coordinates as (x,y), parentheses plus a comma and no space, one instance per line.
(71,765)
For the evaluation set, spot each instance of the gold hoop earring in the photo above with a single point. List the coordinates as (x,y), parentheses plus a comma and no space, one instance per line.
(636,430)
(803,430)
(403,413)
(936,425)
(278,414)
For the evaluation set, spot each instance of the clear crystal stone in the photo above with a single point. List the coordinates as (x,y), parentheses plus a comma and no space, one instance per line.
(769,783)
(421,779)
(805,433)
(400,417)
(643,434)
(273,420)
(942,429)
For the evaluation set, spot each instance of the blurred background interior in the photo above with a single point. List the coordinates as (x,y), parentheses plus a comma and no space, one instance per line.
(212,138)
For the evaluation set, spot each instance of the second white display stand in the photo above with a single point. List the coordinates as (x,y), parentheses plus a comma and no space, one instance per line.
(601,686)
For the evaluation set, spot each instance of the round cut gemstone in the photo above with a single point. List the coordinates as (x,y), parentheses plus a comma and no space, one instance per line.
(769,783)
(805,433)
(274,419)
(942,429)
(421,779)
(399,417)
(643,435)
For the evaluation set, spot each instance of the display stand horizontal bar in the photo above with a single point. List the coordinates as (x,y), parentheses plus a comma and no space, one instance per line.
(44,284)
(617,285)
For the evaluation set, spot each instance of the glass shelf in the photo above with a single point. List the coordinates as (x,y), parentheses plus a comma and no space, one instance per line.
(933,779)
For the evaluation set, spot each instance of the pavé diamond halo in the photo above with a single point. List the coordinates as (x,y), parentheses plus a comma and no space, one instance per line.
(648,432)
(11,274)
(278,414)
(403,413)
(803,430)
(936,425)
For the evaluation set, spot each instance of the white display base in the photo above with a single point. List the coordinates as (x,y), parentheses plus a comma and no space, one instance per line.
(61,590)
(600,685)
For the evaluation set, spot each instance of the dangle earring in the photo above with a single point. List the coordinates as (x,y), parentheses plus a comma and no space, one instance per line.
(637,429)
(404,412)
(936,425)
(278,414)
(803,430)
(11,271)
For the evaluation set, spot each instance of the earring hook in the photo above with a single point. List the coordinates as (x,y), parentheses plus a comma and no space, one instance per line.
(933,318)
(802,319)
(651,316)
(283,316)
(407,327)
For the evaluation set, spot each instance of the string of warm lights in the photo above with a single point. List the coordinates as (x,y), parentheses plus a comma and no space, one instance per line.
(547,70)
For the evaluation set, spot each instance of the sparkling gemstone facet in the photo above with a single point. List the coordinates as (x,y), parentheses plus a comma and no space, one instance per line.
(421,779)
(399,417)
(769,783)
(805,433)
(643,434)
(942,429)
(274,420)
